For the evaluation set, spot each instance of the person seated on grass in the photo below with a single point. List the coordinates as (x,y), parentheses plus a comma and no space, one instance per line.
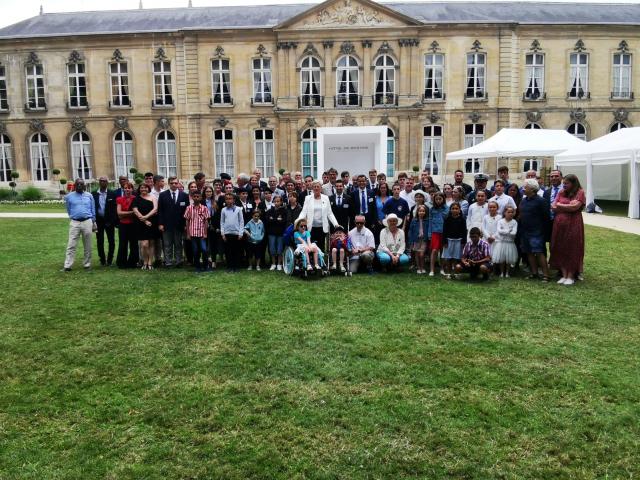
(302,239)
(391,251)
(475,256)
(340,248)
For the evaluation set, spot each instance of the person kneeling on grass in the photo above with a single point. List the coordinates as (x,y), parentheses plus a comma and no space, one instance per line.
(475,256)
(392,244)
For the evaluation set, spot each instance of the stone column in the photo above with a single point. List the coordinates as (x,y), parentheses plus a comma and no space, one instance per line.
(329,74)
(367,81)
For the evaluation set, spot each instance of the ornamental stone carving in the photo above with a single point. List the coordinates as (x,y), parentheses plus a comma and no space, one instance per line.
(117,56)
(263,122)
(78,124)
(475,116)
(623,47)
(347,48)
(366,43)
(327,44)
(580,47)
(121,123)
(75,57)
(311,122)
(621,115)
(578,115)
(36,125)
(535,46)
(344,13)
(348,121)
(434,47)
(164,123)
(160,54)
(434,117)
(384,120)
(32,59)
(222,121)
(476,46)
(310,50)
(219,53)
(534,116)
(385,49)
(261,50)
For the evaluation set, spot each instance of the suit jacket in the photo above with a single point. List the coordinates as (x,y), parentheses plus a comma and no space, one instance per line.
(344,213)
(327,214)
(110,207)
(372,213)
(170,214)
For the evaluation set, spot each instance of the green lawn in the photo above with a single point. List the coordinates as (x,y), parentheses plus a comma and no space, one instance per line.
(170,375)
(34,208)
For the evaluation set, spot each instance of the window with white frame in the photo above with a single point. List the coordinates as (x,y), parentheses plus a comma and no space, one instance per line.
(434,76)
(310,86)
(77,81)
(81,155)
(385,83)
(40,157)
(473,134)
(262,80)
(534,69)
(310,152)
(578,130)
(532,126)
(119,84)
(621,75)
(223,152)
(6,158)
(264,148)
(530,164)
(391,153)
(432,148)
(476,75)
(162,96)
(220,82)
(35,87)
(617,126)
(579,71)
(123,153)
(4,99)
(166,154)
(347,81)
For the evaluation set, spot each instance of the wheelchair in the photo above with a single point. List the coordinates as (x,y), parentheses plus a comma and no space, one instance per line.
(295,264)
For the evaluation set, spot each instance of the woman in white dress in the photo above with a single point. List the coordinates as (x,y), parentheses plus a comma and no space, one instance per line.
(490,225)
(505,252)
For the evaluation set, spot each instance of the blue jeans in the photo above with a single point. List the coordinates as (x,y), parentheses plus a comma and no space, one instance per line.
(385,259)
(199,247)
(275,244)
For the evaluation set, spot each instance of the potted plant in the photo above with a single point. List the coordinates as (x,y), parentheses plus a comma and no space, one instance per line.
(13,188)
(281,171)
(63,183)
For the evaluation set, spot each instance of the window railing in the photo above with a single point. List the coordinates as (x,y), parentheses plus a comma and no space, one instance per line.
(4,106)
(162,104)
(478,96)
(311,101)
(84,105)
(621,96)
(580,94)
(534,96)
(435,96)
(35,106)
(347,100)
(120,104)
(262,99)
(221,99)
(384,99)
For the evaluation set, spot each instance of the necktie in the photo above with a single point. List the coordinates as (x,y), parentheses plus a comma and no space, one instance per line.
(340,201)
(363,203)
(173,197)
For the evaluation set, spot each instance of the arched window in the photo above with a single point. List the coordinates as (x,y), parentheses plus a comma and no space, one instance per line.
(166,154)
(310,86)
(6,159)
(391,153)
(473,134)
(123,153)
(347,82)
(577,130)
(40,157)
(432,148)
(264,149)
(223,151)
(533,126)
(617,126)
(385,74)
(81,155)
(310,152)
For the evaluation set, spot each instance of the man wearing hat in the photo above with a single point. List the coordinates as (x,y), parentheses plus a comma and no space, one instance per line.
(480,183)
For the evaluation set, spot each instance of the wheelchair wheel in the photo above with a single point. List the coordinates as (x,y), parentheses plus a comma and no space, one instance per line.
(288,261)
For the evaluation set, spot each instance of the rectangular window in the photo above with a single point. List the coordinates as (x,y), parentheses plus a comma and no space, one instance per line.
(476,71)
(579,84)
(621,75)
(473,134)
(432,148)
(391,156)
(162,96)
(120,85)
(262,80)
(535,76)
(223,151)
(77,85)
(220,82)
(310,157)
(35,87)
(530,164)
(4,100)
(434,76)
(264,149)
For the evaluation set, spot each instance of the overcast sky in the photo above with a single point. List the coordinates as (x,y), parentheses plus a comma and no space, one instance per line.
(13,11)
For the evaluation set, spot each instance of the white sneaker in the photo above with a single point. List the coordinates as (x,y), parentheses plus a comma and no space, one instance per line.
(258,268)
(561,281)
(431,274)
(580,277)
(249,268)
(279,267)
(441,271)
(506,275)
(569,281)
(273,267)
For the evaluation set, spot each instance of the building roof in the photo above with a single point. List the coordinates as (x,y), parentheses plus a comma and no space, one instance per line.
(269,16)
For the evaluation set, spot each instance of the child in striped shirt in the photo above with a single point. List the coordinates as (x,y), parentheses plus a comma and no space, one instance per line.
(197,217)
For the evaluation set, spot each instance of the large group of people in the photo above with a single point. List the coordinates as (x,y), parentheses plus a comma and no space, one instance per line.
(359,223)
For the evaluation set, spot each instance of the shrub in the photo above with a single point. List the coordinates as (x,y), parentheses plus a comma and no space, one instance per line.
(15,174)
(63,181)
(133,170)
(56,171)
(6,194)
(31,193)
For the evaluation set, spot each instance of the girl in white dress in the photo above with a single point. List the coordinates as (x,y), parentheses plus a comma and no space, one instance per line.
(505,252)
(490,225)
(477,211)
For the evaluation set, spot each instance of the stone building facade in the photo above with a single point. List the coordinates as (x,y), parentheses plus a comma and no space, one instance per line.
(216,89)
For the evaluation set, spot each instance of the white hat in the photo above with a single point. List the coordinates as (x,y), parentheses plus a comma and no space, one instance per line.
(391,216)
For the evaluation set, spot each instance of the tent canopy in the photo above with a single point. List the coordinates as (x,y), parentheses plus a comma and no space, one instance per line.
(615,148)
(520,142)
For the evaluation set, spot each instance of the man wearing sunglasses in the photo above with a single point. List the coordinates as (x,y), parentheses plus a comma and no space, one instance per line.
(362,246)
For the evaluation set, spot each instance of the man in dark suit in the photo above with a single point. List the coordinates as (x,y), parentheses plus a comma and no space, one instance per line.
(172,204)
(106,219)
(364,202)
(342,206)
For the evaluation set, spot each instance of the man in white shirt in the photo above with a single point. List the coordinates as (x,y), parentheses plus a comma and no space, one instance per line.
(502,199)
(158,186)
(362,246)
(408,194)
(372,183)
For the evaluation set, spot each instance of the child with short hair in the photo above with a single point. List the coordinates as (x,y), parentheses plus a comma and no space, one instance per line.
(254,230)
(197,217)
(275,225)
(490,224)
(231,231)
(505,252)
(437,215)
(475,256)
(454,234)
(302,239)
(340,246)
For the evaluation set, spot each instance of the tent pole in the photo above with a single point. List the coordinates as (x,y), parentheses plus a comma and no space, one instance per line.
(634,194)
(590,192)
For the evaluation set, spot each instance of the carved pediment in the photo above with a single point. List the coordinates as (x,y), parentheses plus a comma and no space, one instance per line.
(348,13)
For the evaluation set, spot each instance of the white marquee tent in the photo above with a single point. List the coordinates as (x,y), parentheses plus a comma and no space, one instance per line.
(617,148)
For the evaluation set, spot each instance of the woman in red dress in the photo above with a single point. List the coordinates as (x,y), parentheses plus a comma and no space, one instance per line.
(567,239)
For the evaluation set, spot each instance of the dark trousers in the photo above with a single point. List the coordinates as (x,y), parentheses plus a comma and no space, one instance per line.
(127,246)
(256,250)
(109,230)
(199,248)
(216,245)
(232,251)
(318,236)
(188,252)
